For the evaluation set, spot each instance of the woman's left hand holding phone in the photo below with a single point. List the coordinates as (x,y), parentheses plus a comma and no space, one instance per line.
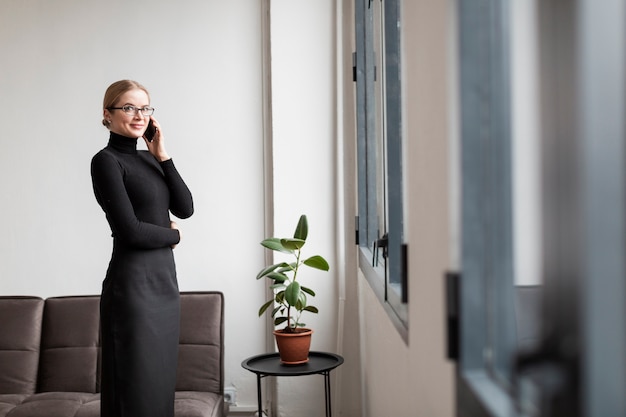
(156,146)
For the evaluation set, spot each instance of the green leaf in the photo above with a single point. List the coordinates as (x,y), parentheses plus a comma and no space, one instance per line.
(301,302)
(302,229)
(311,309)
(265,307)
(280,297)
(292,293)
(286,268)
(308,291)
(271,268)
(274,243)
(280,320)
(317,262)
(265,271)
(292,244)
(277,276)
(278,286)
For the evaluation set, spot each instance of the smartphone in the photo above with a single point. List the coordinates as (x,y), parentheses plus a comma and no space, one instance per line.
(150,131)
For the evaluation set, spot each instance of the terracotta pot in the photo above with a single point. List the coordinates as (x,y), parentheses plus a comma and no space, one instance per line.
(293,347)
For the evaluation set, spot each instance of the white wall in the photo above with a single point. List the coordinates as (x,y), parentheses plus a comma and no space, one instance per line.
(201,60)
(304,137)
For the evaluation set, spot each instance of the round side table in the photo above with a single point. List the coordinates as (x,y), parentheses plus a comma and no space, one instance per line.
(269,364)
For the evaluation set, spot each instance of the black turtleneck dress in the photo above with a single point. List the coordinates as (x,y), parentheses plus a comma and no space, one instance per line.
(140,302)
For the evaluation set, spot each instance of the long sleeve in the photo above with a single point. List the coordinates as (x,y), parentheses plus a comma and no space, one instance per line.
(181,201)
(111,193)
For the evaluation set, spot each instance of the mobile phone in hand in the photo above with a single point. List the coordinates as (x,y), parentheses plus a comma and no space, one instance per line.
(150,131)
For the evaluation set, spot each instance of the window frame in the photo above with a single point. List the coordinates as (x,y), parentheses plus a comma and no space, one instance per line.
(487,330)
(387,276)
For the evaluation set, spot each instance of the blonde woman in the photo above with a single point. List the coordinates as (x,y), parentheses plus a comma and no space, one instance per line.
(140,302)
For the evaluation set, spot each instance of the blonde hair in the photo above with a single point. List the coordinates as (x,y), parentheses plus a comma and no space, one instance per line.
(115,91)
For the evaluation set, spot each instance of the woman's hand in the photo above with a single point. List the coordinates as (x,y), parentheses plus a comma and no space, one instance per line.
(157,145)
(174,226)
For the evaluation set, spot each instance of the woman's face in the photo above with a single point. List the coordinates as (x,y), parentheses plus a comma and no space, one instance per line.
(129,125)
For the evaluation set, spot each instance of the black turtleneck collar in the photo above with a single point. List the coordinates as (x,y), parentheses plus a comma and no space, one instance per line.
(122,143)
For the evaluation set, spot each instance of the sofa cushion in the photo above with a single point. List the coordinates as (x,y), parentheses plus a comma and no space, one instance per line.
(198,404)
(9,401)
(90,408)
(55,404)
(19,344)
(69,345)
(201,349)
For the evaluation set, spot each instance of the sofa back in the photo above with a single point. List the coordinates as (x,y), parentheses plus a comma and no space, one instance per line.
(70,345)
(20,337)
(201,349)
(54,345)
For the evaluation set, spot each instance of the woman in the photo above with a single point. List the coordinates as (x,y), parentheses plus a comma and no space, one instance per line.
(140,304)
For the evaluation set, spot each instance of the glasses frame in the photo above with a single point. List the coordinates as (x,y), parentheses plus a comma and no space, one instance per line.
(128,109)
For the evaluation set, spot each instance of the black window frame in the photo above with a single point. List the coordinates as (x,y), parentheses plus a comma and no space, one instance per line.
(382,254)
(487,318)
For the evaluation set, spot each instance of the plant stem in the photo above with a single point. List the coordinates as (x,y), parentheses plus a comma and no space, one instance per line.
(288,319)
(295,271)
(295,274)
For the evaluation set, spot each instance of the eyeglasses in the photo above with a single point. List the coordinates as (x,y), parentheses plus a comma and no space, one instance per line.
(128,109)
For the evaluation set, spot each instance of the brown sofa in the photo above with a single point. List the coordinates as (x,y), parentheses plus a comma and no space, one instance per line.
(49,357)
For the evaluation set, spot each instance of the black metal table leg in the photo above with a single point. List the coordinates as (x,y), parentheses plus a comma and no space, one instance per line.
(258,393)
(329,411)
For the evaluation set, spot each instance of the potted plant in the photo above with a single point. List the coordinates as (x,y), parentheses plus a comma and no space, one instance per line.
(291,298)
